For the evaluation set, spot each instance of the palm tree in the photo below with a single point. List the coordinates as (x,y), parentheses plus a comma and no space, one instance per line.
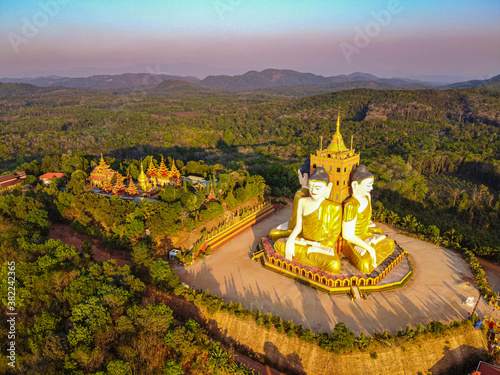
(410,222)
(393,218)
(259,181)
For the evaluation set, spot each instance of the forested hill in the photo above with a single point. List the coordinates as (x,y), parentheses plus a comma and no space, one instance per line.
(22,89)
(403,105)
(435,154)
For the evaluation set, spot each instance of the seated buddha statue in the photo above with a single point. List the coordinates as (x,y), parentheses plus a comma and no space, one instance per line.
(313,240)
(285,229)
(363,244)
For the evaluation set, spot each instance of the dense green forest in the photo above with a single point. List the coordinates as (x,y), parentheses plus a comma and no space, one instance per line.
(72,315)
(435,153)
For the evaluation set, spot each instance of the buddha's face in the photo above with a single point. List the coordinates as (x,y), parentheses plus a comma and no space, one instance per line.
(318,189)
(365,186)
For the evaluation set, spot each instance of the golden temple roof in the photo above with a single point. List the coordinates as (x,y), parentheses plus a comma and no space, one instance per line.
(337,144)
(152,171)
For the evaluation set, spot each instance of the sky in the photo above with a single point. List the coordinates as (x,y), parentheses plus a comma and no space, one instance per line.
(328,37)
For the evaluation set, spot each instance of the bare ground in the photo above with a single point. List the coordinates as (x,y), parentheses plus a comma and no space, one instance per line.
(435,292)
(68,236)
(492,271)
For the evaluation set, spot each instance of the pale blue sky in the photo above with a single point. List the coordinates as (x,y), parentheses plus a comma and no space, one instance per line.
(423,37)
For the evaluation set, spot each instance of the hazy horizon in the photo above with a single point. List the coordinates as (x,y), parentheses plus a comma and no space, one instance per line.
(385,38)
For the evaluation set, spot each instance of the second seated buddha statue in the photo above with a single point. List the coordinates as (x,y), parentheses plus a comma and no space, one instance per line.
(313,240)
(363,244)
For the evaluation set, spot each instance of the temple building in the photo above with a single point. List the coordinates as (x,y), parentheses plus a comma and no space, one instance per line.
(152,173)
(101,174)
(162,175)
(339,161)
(110,181)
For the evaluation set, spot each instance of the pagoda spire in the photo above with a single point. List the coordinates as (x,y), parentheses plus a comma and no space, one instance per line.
(337,144)
(211,194)
(132,189)
(143,180)
(119,186)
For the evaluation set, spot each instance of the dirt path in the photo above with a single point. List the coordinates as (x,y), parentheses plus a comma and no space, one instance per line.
(68,236)
(492,271)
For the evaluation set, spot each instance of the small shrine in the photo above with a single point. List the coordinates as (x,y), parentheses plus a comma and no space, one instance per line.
(118,187)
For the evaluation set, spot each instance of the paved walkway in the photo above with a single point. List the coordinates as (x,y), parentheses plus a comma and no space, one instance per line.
(435,292)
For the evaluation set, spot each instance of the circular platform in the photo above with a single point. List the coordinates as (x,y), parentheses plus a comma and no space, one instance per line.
(393,272)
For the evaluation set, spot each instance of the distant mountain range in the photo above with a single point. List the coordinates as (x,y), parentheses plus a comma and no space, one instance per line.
(275,81)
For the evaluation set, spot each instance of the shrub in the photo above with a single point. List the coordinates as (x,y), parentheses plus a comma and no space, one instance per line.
(436,328)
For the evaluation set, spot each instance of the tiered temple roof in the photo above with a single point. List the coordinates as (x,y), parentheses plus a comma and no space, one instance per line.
(152,171)
(103,176)
(132,189)
(100,174)
(118,187)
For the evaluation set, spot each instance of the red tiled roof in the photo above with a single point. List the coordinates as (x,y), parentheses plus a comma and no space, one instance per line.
(50,176)
(7,177)
(6,184)
(487,369)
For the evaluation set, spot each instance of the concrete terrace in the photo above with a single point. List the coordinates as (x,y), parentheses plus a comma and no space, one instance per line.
(435,292)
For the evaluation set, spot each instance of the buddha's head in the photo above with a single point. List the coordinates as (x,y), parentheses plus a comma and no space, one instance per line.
(319,184)
(303,173)
(361,181)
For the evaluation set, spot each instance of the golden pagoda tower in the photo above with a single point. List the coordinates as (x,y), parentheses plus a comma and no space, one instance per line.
(119,186)
(152,172)
(132,189)
(339,161)
(175,172)
(106,185)
(211,194)
(100,173)
(143,180)
(163,173)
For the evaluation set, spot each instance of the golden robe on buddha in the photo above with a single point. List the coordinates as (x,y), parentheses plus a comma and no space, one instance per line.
(322,226)
(363,219)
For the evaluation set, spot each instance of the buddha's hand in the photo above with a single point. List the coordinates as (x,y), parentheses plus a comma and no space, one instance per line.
(376,230)
(373,254)
(289,249)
